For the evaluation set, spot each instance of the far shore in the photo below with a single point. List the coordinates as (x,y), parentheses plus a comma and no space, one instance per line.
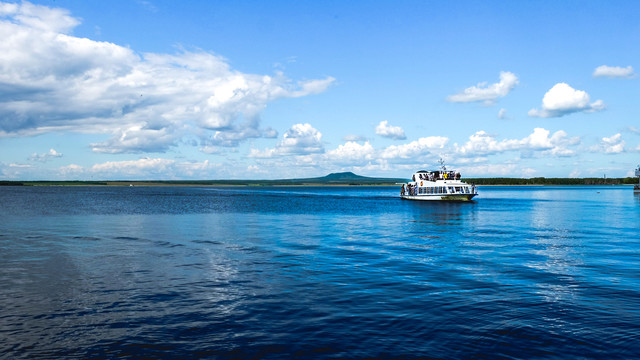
(333,179)
(269,183)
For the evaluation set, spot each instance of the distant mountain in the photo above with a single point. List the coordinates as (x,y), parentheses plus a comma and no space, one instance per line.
(342,178)
(346,178)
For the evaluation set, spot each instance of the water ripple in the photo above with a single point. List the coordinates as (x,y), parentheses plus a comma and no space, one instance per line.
(317,273)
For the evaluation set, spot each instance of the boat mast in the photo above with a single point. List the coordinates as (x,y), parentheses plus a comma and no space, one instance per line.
(442,167)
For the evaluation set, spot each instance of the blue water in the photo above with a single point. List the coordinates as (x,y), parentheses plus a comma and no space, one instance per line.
(353,272)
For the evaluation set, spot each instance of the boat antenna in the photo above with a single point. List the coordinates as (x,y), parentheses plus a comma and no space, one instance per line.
(442,167)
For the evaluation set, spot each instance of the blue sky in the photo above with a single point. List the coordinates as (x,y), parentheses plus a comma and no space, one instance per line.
(280,89)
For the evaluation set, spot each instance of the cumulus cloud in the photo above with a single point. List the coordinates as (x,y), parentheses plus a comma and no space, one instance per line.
(352,153)
(509,170)
(52,153)
(53,81)
(610,145)
(146,168)
(482,143)
(301,147)
(562,100)
(138,139)
(487,93)
(141,169)
(39,17)
(134,167)
(415,149)
(300,139)
(392,132)
(502,114)
(614,72)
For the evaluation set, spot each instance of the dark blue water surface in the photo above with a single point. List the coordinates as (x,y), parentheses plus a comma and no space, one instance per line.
(332,272)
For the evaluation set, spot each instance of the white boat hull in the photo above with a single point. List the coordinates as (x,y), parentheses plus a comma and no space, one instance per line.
(440,197)
(440,185)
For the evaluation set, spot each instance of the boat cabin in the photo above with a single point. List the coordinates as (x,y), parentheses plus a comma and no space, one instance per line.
(424,175)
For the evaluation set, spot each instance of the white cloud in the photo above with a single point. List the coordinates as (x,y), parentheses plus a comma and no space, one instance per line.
(487,93)
(138,139)
(479,156)
(144,168)
(633,129)
(392,132)
(350,156)
(53,81)
(610,145)
(300,139)
(134,167)
(194,169)
(562,99)
(502,114)
(246,130)
(352,153)
(507,170)
(354,138)
(52,153)
(414,149)
(614,72)
(482,143)
(22,166)
(38,17)
(71,171)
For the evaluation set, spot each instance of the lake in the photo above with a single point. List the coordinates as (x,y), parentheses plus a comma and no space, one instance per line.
(318,272)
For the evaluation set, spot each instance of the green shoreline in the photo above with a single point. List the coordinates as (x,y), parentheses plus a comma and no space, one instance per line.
(335,179)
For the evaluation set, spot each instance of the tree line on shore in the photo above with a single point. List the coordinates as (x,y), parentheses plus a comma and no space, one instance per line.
(333,181)
(552,181)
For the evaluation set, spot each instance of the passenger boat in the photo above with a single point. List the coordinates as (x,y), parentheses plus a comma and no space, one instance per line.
(636,187)
(441,185)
